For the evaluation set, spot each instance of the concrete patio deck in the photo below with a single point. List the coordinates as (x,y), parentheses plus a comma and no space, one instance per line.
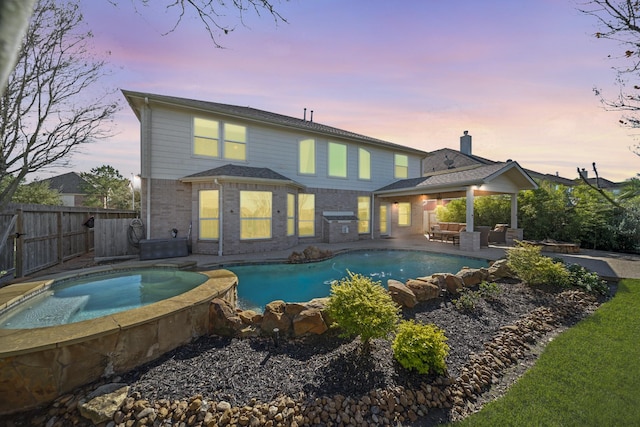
(609,265)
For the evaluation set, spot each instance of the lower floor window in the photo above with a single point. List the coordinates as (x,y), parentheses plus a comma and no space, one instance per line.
(255,215)
(404,214)
(364,214)
(306,215)
(209,214)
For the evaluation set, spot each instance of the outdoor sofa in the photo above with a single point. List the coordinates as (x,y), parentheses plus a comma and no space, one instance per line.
(499,233)
(447,231)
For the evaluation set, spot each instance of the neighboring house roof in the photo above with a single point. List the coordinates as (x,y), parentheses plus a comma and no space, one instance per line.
(136,100)
(236,172)
(461,177)
(448,159)
(68,183)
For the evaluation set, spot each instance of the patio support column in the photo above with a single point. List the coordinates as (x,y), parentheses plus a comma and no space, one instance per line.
(470,239)
(514,210)
(470,208)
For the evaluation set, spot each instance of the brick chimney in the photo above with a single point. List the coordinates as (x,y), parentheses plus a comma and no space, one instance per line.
(465,143)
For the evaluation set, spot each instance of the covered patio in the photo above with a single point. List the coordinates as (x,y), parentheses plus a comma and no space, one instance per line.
(507,178)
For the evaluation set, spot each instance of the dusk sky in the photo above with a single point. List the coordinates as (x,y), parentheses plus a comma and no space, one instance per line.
(518,75)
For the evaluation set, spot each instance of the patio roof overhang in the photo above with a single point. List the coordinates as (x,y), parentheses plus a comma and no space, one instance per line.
(499,178)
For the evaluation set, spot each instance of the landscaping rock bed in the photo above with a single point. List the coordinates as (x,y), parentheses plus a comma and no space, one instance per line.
(326,380)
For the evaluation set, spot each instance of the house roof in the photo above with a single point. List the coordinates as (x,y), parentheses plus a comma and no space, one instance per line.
(137,99)
(459,178)
(240,173)
(68,183)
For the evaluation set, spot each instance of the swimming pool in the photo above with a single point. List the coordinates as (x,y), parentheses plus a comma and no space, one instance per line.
(258,285)
(97,295)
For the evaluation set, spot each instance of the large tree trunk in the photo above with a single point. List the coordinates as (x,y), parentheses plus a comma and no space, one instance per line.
(14,20)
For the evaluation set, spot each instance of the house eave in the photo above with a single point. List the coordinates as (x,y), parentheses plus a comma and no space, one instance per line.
(241,180)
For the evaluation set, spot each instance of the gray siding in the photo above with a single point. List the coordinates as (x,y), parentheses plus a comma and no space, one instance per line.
(271,147)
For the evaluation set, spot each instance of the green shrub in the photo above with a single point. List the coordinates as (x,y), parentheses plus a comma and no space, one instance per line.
(467,300)
(534,268)
(489,290)
(582,278)
(360,306)
(420,347)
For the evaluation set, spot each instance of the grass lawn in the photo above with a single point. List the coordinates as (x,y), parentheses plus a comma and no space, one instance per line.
(588,376)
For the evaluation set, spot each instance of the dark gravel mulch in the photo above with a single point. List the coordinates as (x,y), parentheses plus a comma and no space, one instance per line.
(238,370)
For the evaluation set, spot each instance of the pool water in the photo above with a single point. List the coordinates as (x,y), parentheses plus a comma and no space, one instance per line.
(99,295)
(258,285)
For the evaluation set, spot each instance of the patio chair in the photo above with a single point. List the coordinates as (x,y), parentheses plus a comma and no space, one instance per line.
(499,233)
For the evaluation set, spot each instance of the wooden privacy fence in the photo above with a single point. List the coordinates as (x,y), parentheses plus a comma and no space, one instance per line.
(35,237)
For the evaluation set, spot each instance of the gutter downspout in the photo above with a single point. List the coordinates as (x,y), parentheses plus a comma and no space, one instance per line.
(220,204)
(146,142)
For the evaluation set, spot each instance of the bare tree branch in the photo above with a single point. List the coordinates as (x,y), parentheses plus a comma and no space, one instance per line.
(48,109)
(597,188)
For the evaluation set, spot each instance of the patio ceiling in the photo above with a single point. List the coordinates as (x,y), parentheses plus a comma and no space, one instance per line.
(499,178)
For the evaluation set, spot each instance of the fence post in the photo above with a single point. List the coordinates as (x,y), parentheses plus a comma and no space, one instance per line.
(19,250)
(60,238)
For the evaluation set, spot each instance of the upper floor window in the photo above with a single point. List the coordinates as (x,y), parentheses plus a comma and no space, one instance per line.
(205,137)
(235,142)
(255,215)
(208,214)
(307,157)
(364,164)
(337,160)
(401,166)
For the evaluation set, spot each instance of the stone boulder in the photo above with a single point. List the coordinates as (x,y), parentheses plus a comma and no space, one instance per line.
(309,321)
(401,294)
(500,270)
(424,288)
(250,317)
(223,319)
(453,284)
(275,317)
(104,402)
(472,276)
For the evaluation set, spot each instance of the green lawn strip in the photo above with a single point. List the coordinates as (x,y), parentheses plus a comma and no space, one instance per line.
(588,376)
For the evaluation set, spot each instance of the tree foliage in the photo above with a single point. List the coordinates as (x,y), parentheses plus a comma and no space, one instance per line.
(37,192)
(106,188)
(578,214)
(45,111)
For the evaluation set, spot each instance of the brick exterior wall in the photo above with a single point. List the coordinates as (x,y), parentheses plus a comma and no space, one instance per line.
(175,205)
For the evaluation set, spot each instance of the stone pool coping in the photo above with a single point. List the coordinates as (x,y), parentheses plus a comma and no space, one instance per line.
(37,365)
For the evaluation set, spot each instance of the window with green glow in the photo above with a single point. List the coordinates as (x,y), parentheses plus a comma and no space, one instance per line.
(337,160)
(255,215)
(307,157)
(364,214)
(235,142)
(208,214)
(404,214)
(306,215)
(401,164)
(364,164)
(291,214)
(205,137)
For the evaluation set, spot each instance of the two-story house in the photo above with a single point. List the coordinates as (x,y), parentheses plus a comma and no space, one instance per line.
(241,180)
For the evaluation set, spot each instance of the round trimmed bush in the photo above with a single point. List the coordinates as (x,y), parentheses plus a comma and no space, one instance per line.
(421,347)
